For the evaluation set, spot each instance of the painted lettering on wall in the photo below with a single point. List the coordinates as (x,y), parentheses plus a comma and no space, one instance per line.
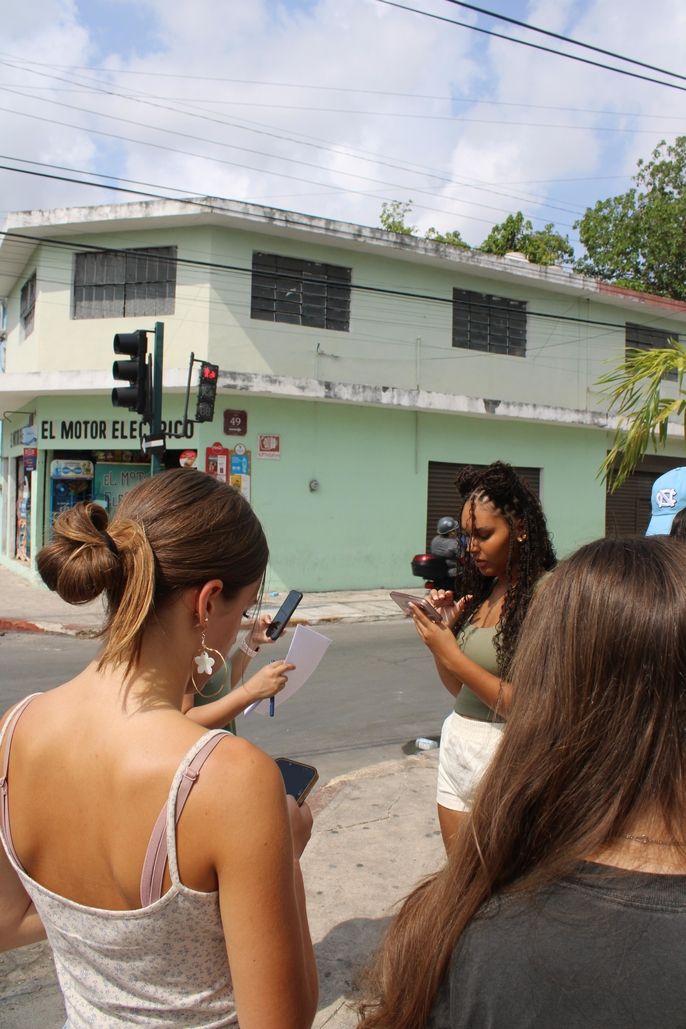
(103,430)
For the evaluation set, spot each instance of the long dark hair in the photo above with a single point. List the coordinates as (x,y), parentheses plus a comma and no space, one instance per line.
(595,740)
(522,510)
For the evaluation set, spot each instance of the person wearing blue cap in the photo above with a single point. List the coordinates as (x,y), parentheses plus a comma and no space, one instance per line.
(668,497)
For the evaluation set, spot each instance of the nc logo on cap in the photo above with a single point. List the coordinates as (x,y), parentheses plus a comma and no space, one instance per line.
(665,498)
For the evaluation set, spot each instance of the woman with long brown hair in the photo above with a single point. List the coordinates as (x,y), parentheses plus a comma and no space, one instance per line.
(563,902)
(508,550)
(161,860)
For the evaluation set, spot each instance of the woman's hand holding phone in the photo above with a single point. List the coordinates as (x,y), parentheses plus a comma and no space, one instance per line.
(451,609)
(258,635)
(439,636)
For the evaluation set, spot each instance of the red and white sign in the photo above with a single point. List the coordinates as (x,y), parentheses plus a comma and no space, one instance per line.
(188,458)
(217,462)
(30,459)
(269,446)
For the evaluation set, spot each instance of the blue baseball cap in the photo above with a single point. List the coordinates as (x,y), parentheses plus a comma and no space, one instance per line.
(668,497)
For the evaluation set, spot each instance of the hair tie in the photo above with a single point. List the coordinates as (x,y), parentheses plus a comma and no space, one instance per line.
(110,542)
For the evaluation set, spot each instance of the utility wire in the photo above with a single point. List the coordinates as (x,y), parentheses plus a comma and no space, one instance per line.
(534,46)
(311,86)
(299,161)
(550,204)
(278,174)
(566,39)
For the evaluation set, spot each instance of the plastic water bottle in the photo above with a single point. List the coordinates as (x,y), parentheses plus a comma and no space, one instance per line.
(424,743)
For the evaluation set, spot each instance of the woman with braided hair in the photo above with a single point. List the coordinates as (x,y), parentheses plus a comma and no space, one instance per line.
(508,550)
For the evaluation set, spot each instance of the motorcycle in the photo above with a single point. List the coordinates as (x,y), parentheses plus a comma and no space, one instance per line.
(434,571)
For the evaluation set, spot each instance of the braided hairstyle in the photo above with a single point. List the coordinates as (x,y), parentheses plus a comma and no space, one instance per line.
(522,510)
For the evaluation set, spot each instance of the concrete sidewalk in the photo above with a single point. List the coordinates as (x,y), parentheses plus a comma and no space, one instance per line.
(27,606)
(375,835)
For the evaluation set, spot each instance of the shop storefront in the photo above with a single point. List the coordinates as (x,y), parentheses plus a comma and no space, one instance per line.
(80,450)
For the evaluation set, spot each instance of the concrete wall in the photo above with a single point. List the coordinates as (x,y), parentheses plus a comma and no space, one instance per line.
(361,527)
(60,342)
(395,341)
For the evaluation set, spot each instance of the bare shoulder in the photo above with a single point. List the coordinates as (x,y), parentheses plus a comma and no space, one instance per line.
(239,806)
(239,773)
(10,710)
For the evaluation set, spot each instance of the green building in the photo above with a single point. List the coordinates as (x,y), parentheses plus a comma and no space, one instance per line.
(358,369)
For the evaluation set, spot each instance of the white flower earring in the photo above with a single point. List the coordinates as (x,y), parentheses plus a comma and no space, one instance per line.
(204,665)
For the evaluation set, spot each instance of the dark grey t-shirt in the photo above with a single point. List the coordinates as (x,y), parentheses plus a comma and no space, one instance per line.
(445,546)
(604,949)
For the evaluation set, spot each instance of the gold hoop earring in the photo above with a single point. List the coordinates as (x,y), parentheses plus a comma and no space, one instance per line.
(204,665)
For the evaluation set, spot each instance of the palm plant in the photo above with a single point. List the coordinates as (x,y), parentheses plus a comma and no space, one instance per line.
(634,391)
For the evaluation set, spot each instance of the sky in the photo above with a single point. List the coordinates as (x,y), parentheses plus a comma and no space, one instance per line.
(333,107)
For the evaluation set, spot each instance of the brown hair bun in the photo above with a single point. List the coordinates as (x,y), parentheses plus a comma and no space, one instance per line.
(80,562)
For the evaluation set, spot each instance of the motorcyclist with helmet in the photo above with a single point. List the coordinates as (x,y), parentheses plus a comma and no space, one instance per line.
(444,544)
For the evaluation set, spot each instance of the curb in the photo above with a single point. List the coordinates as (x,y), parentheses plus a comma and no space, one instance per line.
(23,625)
(19,625)
(327,793)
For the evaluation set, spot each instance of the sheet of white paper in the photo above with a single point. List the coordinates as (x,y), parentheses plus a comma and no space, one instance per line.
(305,652)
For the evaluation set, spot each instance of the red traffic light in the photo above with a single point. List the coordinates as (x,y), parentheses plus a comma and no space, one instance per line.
(207,391)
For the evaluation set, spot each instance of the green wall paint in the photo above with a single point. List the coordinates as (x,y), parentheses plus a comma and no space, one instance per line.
(360,529)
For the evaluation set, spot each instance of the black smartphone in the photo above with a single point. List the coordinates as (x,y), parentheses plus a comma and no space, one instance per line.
(283,615)
(298,778)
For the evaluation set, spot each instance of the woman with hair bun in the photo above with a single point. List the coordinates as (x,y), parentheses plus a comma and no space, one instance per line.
(563,900)
(161,860)
(508,551)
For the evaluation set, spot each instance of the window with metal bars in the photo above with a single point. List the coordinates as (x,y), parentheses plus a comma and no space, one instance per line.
(643,337)
(495,325)
(125,284)
(288,289)
(27,304)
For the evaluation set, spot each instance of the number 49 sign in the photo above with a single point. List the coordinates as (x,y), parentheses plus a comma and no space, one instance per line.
(235,423)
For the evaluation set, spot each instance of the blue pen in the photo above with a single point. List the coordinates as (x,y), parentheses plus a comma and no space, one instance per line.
(272,706)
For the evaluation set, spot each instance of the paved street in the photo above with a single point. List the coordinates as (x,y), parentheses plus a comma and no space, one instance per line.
(375,691)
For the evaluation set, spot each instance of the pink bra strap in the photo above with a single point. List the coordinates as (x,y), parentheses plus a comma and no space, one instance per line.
(156,856)
(7,734)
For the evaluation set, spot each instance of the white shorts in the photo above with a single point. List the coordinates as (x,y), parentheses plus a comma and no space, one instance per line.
(467,747)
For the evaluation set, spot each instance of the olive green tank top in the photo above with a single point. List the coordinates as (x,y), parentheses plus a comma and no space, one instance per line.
(478,644)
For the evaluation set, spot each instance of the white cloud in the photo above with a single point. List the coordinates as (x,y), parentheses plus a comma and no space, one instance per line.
(286,49)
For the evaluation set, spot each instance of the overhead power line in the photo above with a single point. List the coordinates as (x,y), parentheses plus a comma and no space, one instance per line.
(549,203)
(141,99)
(24,62)
(565,39)
(534,46)
(279,174)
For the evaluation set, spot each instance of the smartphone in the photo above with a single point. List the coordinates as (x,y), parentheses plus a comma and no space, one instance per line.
(298,778)
(404,600)
(283,615)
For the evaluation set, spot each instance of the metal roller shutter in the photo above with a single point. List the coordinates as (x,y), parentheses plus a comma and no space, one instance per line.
(443,498)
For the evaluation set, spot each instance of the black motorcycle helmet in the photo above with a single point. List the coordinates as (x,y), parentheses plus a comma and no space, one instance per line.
(446,525)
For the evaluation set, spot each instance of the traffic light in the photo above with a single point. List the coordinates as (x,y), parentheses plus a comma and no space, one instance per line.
(137,396)
(207,392)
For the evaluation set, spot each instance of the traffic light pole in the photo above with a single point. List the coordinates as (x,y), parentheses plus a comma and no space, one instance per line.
(156,419)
